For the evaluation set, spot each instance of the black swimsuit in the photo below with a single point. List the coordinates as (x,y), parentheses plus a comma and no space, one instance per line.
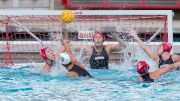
(165,62)
(146,78)
(80,71)
(99,60)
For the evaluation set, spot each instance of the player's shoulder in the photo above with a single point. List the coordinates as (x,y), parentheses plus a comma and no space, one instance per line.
(175,57)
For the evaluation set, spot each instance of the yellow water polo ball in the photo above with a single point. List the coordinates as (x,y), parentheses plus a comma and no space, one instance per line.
(67,16)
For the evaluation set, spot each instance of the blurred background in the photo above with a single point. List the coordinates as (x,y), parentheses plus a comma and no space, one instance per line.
(100,4)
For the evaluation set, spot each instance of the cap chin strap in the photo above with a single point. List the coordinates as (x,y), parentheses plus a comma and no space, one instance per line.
(66,65)
(145,71)
(50,61)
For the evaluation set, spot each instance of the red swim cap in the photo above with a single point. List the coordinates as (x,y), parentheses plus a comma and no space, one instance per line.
(142,67)
(98,33)
(43,54)
(166,47)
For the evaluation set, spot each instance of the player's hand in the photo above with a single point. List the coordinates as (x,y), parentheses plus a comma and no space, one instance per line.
(64,27)
(132,32)
(59,37)
(178,64)
(66,41)
(113,35)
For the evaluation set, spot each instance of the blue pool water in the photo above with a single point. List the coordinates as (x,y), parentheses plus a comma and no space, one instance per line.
(21,84)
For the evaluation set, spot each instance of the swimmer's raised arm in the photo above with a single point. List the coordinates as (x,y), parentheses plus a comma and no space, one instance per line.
(151,53)
(166,69)
(68,50)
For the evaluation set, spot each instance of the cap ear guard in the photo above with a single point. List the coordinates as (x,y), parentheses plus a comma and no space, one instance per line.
(142,67)
(167,47)
(43,53)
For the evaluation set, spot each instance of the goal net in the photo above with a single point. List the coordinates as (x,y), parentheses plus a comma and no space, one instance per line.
(23,33)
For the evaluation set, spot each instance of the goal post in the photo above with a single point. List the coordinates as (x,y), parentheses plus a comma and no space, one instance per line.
(22,32)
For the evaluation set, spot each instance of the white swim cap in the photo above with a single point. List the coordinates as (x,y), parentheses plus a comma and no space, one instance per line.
(65,58)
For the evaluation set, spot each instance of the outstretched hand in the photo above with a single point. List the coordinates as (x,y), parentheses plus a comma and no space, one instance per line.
(59,36)
(64,27)
(65,41)
(178,64)
(132,33)
(113,35)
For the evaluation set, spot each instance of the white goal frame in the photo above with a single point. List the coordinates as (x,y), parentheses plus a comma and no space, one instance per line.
(169,14)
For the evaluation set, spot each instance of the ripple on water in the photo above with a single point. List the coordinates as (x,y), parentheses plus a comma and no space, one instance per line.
(107,85)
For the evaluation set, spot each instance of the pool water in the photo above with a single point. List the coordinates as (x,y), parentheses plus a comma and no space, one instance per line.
(21,84)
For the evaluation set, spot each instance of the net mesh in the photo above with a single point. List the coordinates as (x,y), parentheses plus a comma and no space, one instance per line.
(18,46)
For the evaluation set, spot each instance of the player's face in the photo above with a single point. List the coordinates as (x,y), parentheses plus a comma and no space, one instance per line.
(98,40)
(50,54)
(160,50)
